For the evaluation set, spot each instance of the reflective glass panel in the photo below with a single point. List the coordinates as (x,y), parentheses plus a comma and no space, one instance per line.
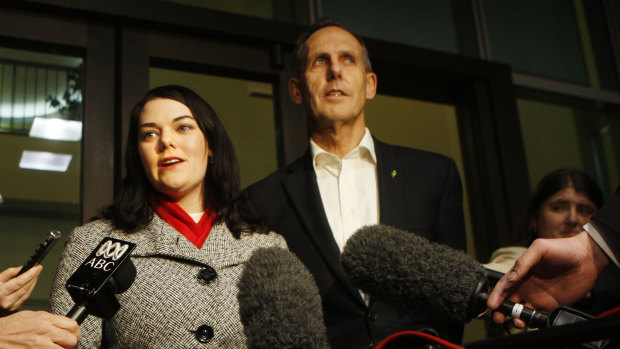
(293,11)
(405,22)
(586,137)
(40,142)
(536,37)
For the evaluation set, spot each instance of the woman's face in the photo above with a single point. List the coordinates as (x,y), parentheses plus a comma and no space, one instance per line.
(563,214)
(173,149)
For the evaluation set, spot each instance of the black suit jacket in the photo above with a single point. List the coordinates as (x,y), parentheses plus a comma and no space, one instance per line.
(609,216)
(424,196)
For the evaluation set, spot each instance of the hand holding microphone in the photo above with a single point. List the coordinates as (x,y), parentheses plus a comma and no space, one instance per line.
(40,330)
(32,329)
(540,275)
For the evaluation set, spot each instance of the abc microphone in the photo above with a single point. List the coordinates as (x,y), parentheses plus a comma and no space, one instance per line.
(105,272)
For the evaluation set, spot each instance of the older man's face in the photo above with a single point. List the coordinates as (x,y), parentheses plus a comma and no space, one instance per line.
(335,84)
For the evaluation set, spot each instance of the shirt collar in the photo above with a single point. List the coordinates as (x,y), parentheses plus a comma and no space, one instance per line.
(366,143)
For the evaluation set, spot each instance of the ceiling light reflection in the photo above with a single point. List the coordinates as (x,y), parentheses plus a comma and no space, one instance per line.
(45,161)
(56,129)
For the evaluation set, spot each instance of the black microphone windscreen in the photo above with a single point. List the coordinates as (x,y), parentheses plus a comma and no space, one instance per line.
(124,277)
(279,302)
(408,270)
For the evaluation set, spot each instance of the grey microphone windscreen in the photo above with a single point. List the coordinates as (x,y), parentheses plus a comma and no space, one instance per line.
(279,302)
(412,272)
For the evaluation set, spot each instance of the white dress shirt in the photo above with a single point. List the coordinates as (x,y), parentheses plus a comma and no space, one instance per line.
(348,187)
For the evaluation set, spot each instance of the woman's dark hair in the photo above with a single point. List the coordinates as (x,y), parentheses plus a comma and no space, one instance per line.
(132,206)
(548,186)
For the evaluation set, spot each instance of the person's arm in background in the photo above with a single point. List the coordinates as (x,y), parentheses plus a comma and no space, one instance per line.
(29,329)
(14,290)
(552,272)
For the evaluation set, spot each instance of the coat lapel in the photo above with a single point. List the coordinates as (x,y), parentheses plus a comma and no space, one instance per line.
(303,192)
(161,239)
(391,178)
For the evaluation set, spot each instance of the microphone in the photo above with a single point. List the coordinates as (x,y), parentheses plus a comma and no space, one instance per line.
(434,279)
(279,302)
(105,272)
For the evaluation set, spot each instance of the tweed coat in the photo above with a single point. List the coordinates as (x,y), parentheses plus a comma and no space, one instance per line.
(170,304)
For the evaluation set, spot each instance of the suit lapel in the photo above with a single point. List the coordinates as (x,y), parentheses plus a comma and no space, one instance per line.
(391,178)
(302,189)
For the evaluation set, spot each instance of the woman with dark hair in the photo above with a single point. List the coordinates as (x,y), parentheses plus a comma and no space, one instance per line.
(563,193)
(562,203)
(178,204)
(132,207)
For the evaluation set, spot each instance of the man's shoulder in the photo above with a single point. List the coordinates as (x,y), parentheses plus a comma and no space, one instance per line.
(400,152)
(276,177)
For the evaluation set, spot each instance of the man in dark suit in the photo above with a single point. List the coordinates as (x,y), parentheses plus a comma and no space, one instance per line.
(348,179)
(576,261)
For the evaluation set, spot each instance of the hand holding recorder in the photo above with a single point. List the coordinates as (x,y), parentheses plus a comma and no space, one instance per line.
(14,290)
(32,329)
(16,284)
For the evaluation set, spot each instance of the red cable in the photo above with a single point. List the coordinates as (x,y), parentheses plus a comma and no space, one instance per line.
(609,312)
(417,334)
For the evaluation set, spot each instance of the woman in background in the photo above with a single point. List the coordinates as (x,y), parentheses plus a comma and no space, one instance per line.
(177,204)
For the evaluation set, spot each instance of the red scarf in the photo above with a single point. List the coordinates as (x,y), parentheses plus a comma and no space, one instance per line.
(174,215)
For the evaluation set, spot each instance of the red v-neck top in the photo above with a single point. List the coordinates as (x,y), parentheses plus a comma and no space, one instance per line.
(173,214)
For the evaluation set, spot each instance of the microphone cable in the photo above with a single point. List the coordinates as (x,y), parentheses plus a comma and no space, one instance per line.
(384,344)
(609,312)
